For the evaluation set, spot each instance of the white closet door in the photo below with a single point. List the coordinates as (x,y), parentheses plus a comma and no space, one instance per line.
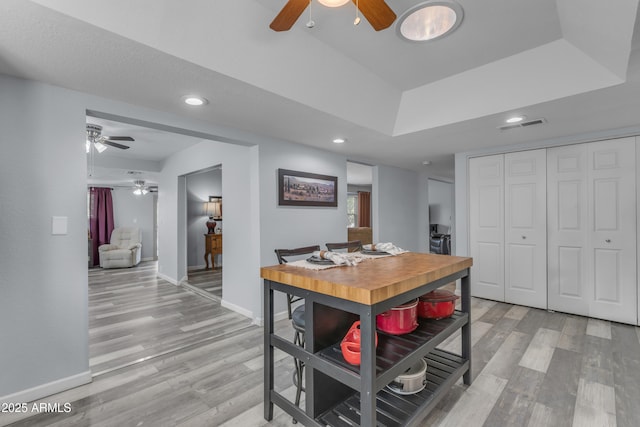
(592,230)
(526,228)
(486,210)
(567,223)
(612,223)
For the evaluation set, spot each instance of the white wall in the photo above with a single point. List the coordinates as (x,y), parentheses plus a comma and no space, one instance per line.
(396,200)
(43,277)
(200,186)
(130,210)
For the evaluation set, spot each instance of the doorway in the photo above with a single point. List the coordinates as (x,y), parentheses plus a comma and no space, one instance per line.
(204,231)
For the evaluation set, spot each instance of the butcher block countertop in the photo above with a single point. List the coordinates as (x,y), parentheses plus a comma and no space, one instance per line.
(372,280)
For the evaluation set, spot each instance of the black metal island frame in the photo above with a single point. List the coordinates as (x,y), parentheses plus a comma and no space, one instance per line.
(340,394)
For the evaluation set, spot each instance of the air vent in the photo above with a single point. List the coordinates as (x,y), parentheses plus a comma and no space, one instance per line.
(523,124)
(134,173)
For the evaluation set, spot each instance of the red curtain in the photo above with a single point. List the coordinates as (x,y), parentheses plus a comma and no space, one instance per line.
(100,218)
(364,209)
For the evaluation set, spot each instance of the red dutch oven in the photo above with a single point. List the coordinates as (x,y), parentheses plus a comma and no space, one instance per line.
(399,320)
(437,304)
(350,344)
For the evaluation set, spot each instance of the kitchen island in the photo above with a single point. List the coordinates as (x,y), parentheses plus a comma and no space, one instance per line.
(340,394)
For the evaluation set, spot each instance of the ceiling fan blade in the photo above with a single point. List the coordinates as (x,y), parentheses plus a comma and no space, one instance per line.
(289,15)
(119,138)
(115,144)
(377,12)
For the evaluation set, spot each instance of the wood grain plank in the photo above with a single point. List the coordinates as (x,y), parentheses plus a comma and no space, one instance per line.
(540,351)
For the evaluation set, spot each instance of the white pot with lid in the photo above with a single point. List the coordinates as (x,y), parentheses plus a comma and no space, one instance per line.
(412,380)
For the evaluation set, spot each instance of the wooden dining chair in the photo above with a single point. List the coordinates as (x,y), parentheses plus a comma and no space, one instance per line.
(298,317)
(350,246)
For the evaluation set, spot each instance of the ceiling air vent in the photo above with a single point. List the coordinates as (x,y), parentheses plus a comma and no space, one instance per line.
(134,173)
(523,124)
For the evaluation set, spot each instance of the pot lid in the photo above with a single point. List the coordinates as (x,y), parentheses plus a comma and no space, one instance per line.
(418,369)
(410,304)
(439,295)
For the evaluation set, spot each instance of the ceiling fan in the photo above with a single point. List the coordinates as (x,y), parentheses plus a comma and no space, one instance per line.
(100,142)
(140,188)
(377,12)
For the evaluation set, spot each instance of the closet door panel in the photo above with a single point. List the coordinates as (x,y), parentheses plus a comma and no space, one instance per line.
(486,220)
(525,228)
(567,229)
(612,219)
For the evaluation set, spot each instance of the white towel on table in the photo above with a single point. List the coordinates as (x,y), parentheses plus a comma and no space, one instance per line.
(337,258)
(385,247)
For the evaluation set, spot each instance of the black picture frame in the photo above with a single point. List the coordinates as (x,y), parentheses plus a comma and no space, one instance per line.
(297,188)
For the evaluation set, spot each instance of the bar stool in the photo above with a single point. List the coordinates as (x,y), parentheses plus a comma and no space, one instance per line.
(297,321)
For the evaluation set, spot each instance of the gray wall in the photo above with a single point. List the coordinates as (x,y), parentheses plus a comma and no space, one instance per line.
(441,204)
(43,127)
(130,210)
(200,186)
(396,201)
(43,280)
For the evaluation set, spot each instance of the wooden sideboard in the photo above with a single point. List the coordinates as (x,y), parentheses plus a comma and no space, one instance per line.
(213,247)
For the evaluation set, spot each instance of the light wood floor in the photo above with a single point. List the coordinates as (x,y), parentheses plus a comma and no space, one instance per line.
(168,357)
(209,281)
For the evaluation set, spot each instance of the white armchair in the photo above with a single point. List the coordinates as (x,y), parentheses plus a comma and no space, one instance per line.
(124,249)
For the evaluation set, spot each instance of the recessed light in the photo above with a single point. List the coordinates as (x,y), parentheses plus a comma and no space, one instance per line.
(429,20)
(339,140)
(515,119)
(426,162)
(194,100)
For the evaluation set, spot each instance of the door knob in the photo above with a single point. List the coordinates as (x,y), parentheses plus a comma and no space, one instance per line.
(608,240)
(524,237)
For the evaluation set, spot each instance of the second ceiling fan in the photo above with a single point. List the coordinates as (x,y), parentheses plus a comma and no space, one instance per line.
(94,135)
(377,12)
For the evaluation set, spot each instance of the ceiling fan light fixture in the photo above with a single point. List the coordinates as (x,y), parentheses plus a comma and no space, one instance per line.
(99,146)
(430,20)
(333,3)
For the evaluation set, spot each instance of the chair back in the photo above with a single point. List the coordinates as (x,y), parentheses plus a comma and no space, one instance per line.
(350,246)
(125,236)
(283,254)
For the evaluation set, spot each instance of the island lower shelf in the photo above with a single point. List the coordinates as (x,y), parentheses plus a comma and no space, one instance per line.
(443,370)
(394,353)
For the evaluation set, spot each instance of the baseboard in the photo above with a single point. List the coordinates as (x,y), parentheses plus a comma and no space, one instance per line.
(237,309)
(196,267)
(167,278)
(276,317)
(48,389)
(149,259)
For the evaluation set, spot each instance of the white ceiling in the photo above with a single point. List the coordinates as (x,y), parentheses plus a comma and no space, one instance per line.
(572,62)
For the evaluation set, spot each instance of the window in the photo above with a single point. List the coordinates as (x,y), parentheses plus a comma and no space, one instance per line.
(352,209)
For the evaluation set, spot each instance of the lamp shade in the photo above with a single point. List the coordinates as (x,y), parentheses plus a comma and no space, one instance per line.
(213,209)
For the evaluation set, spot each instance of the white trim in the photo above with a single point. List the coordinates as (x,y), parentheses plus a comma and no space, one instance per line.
(237,309)
(277,317)
(196,267)
(167,278)
(149,259)
(44,390)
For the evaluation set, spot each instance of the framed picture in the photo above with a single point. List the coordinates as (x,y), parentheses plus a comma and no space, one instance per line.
(306,189)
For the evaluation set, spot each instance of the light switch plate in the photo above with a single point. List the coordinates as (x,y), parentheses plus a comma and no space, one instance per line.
(58,225)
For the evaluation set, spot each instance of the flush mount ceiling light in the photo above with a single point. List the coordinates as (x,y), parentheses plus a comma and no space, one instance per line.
(515,119)
(429,20)
(194,100)
(333,3)
(339,140)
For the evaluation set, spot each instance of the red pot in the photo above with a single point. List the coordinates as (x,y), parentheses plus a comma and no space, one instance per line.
(350,344)
(399,320)
(437,304)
